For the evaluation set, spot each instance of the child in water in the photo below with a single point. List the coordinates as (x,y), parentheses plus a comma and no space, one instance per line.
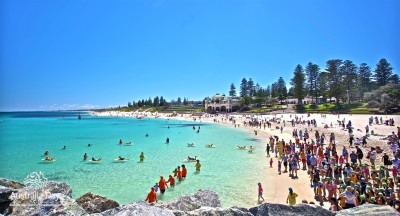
(271,162)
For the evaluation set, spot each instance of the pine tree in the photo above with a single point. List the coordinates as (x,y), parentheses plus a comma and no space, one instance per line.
(156,101)
(394,79)
(363,80)
(298,83)
(282,90)
(250,87)
(232,91)
(335,79)
(268,91)
(348,70)
(162,101)
(243,88)
(312,72)
(383,72)
(323,85)
(179,101)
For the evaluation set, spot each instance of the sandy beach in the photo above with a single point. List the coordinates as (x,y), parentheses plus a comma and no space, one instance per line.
(275,185)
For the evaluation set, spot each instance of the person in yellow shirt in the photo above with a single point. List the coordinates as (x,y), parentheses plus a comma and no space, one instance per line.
(291,199)
(198,165)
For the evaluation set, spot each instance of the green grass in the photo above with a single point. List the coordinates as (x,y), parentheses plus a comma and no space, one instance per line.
(352,108)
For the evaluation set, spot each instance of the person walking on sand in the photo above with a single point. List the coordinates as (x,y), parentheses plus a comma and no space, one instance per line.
(198,166)
(279,167)
(267,150)
(260,192)
(151,196)
(291,198)
(271,162)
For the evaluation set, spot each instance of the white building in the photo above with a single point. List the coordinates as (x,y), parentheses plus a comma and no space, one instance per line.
(221,103)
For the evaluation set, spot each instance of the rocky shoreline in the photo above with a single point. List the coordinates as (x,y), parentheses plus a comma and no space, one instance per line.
(56,199)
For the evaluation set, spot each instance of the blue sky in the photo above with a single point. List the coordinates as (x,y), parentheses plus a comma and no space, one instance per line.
(68,54)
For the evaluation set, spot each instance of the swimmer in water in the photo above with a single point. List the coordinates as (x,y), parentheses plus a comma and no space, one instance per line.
(121,158)
(93,159)
(85,156)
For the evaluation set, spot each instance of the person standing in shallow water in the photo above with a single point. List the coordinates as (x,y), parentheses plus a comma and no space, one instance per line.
(151,196)
(141,157)
(260,192)
(198,166)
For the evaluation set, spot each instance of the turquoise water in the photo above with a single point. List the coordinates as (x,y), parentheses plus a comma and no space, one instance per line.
(24,137)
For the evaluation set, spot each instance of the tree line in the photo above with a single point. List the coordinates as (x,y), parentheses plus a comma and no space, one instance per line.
(341,79)
(158,101)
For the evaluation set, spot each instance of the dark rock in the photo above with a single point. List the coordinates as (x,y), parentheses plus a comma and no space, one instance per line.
(28,200)
(60,204)
(5,200)
(94,203)
(369,209)
(210,211)
(133,209)
(11,184)
(300,209)
(192,202)
(56,187)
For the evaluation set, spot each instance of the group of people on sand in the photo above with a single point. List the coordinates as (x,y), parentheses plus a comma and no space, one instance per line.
(179,173)
(340,176)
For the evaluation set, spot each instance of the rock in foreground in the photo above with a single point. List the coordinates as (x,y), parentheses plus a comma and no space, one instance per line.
(369,209)
(94,203)
(192,202)
(280,209)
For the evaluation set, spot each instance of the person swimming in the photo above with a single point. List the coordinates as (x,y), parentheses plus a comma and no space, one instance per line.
(210,145)
(85,156)
(65,147)
(93,159)
(46,153)
(190,158)
(89,145)
(190,144)
(120,141)
(167,140)
(49,159)
(147,134)
(121,158)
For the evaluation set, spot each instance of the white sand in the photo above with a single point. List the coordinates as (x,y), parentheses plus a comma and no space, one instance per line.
(275,185)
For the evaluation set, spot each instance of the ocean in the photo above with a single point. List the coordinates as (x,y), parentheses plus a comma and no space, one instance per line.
(232,173)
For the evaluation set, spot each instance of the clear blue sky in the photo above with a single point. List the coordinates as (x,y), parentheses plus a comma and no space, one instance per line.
(66,54)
